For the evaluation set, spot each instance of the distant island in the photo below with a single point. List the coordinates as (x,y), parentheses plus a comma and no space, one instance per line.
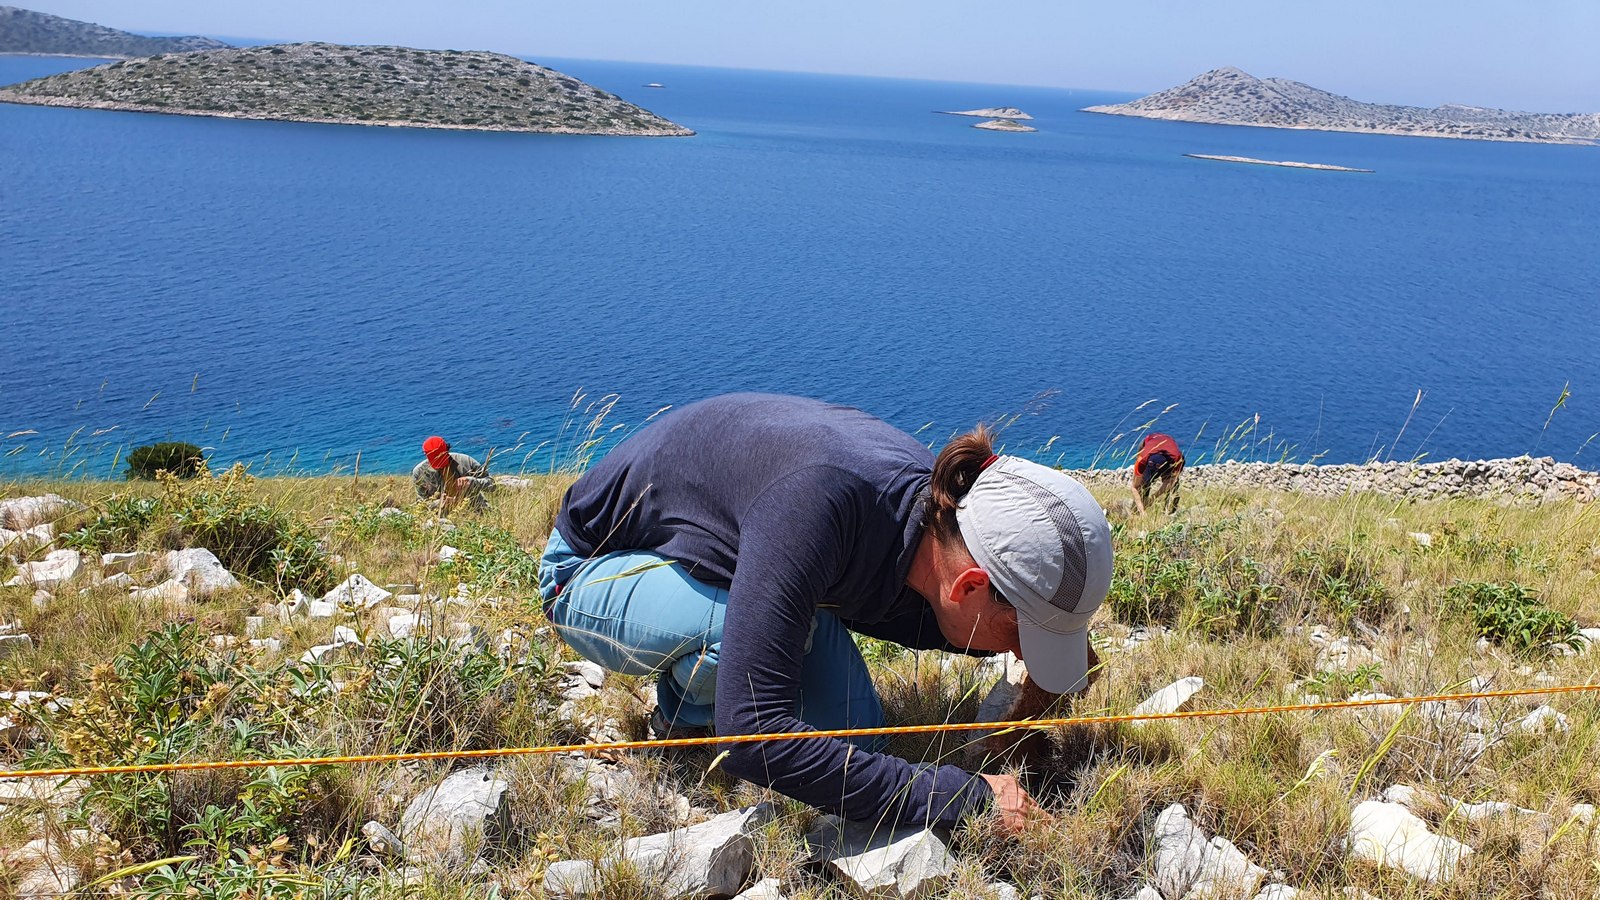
(332,83)
(993,112)
(1228,96)
(27,32)
(1275,162)
(1004,125)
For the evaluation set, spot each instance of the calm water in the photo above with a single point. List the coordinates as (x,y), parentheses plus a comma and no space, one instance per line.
(299,293)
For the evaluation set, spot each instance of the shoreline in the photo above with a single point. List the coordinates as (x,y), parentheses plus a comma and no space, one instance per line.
(1573,142)
(117,106)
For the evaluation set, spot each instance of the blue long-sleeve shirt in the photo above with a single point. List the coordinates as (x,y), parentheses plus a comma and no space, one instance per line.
(793,505)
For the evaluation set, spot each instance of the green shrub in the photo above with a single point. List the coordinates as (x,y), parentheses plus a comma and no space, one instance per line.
(220,513)
(1191,575)
(1513,617)
(181,459)
(492,559)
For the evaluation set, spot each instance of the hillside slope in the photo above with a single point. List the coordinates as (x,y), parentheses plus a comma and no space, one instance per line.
(26,31)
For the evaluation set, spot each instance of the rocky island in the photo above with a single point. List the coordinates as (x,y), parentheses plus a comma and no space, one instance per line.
(332,83)
(1004,125)
(32,33)
(1228,96)
(993,112)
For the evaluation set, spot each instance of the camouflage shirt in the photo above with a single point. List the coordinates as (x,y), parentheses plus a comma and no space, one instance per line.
(430,482)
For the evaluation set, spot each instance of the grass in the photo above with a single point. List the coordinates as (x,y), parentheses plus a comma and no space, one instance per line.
(1236,578)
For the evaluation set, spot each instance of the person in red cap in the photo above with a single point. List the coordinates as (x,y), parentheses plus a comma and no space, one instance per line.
(1160,462)
(453,476)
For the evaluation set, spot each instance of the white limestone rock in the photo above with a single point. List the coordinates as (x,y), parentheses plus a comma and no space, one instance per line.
(22,513)
(39,869)
(1422,538)
(14,643)
(58,567)
(1387,834)
(711,859)
(447,553)
(199,571)
(765,889)
(18,544)
(1277,892)
(406,625)
(126,563)
(58,791)
(579,680)
(878,861)
(169,591)
(1344,655)
(1178,852)
(1542,720)
(358,592)
(1417,800)
(1170,699)
(453,822)
(608,786)
(1186,864)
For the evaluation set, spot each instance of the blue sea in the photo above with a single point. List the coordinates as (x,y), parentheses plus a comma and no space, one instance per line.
(300,295)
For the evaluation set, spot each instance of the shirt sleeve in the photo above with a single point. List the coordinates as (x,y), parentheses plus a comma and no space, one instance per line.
(794,542)
(426,481)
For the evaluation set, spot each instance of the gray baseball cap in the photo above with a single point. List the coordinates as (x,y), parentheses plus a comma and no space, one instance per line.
(1046,545)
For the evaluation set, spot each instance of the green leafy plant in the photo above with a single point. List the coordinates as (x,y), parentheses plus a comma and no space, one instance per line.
(183,460)
(1513,617)
(492,559)
(1334,684)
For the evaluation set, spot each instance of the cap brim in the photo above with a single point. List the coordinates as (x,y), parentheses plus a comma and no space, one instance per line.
(1059,663)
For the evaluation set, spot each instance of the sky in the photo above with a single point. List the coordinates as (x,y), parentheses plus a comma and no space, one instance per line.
(1541,55)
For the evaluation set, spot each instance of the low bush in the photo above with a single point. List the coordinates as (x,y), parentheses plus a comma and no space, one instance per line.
(181,459)
(1513,617)
(222,514)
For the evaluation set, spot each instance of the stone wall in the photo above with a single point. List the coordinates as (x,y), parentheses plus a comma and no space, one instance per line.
(1523,478)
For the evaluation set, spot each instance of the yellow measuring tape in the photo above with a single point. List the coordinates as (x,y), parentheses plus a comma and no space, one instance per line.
(786,736)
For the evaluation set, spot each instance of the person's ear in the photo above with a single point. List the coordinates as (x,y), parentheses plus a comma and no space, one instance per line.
(971,583)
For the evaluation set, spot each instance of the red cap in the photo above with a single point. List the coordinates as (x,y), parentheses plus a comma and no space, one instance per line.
(437,452)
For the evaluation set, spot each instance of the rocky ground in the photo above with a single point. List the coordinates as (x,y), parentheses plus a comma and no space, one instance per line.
(137,629)
(338,84)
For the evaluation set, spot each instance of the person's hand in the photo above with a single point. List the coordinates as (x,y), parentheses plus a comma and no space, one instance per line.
(1016,810)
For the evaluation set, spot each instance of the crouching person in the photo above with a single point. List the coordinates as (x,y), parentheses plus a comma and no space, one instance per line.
(452,477)
(1156,471)
(731,547)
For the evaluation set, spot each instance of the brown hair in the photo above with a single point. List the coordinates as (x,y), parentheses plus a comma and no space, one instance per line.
(954,472)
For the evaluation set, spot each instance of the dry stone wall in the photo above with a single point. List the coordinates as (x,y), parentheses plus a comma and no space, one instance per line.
(1521,479)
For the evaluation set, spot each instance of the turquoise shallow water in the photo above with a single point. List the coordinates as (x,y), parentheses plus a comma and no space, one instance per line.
(297,294)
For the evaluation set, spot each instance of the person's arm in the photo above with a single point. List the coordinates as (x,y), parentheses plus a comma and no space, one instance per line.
(426,480)
(1138,492)
(474,475)
(793,544)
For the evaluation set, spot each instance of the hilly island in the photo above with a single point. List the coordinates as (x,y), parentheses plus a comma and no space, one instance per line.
(331,83)
(1228,96)
(41,34)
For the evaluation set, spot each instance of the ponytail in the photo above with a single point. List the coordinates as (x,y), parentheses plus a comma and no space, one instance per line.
(954,473)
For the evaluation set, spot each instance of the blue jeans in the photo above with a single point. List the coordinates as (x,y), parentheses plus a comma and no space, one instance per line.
(639,613)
